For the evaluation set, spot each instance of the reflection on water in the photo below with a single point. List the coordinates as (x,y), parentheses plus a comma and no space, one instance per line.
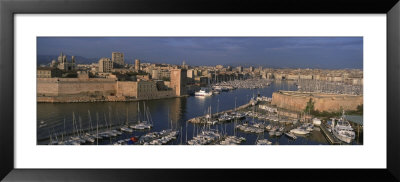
(172,113)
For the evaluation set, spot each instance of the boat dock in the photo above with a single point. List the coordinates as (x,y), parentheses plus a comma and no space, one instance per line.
(328,135)
(201,118)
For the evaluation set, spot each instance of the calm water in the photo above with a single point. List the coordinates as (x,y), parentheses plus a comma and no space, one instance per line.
(178,110)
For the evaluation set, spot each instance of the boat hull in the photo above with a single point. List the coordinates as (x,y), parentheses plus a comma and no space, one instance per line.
(341,137)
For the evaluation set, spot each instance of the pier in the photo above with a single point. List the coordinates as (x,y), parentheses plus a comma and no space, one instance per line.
(328,135)
(198,120)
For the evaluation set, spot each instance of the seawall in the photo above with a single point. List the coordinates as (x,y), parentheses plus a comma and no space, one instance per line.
(297,101)
(57,90)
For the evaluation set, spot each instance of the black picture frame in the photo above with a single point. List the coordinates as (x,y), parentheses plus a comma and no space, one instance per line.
(8,8)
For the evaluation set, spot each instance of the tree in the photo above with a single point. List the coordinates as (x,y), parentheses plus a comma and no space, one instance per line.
(360,108)
(309,107)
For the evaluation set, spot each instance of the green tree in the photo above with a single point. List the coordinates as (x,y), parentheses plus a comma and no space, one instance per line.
(360,109)
(309,107)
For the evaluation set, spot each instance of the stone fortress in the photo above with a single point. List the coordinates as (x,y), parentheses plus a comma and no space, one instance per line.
(105,87)
(297,101)
(84,89)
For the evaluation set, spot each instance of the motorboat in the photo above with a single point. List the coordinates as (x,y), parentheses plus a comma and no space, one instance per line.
(263,142)
(291,135)
(343,130)
(316,122)
(299,131)
(203,92)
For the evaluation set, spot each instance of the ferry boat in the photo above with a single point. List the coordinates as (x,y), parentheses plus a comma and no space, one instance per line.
(203,92)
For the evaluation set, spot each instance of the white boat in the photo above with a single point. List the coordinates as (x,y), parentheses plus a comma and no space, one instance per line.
(217,88)
(316,122)
(291,135)
(263,142)
(271,133)
(126,129)
(116,132)
(142,125)
(343,131)
(343,124)
(203,92)
(299,131)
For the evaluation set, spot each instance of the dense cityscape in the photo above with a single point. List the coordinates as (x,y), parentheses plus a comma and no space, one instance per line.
(233,104)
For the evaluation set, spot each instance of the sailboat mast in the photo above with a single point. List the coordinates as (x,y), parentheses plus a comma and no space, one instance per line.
(80,125)
(218,106)
(144,110)
(210,113)
(138,112)
(235,103)
(64,130)
(109,116)
(90,121)
(126,116)
(97,128)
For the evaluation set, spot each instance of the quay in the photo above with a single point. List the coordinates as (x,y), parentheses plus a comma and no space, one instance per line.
(328,135)
(198,120)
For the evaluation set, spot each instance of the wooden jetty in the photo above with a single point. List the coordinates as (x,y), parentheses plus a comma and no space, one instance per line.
(328,135)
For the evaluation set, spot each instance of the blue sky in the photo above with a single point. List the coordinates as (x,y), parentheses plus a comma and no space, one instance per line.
(282,52)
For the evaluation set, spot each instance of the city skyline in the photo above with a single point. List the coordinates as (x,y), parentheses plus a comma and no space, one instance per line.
(280,52)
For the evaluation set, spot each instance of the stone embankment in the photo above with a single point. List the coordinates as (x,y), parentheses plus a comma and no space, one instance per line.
(297,101)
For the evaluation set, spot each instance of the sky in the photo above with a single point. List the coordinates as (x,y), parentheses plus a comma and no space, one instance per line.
(279,52)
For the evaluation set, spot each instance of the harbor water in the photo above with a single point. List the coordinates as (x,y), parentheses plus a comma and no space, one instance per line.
(56,119)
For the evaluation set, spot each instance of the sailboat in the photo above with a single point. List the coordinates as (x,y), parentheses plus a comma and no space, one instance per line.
(113,131)
(125,128)
(142,125)
(87,137)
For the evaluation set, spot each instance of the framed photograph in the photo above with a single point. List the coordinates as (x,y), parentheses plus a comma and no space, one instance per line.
(142,90)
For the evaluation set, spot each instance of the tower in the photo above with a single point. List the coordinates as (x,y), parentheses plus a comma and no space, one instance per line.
(184,65)
(137,65)
(105,65)
(118,59)
(60,58)
(178,81)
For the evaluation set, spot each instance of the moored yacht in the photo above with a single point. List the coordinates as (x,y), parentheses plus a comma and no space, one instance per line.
(299,131)
(343,130)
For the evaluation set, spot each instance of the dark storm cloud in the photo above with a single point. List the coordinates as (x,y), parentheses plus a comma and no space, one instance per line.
(303,52)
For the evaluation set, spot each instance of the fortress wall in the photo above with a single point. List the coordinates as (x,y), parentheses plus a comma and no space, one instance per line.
(96,89)
(75,87)
(47,87)
(127,89)
(157,94)
(87,87)
(297,101)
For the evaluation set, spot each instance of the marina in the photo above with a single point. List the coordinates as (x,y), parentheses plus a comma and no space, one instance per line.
(232,117)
